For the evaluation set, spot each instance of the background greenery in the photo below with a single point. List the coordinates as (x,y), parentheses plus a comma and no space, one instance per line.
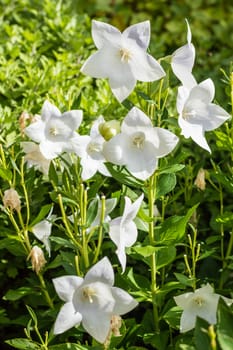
(42,46)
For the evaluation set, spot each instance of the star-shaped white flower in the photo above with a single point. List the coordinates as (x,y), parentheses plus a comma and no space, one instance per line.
(197,113)
(92,300)
(202,302)
(139,145)
(183,60)
(54,131)
(122,57)
(34,158)
(123,230)
(89,149)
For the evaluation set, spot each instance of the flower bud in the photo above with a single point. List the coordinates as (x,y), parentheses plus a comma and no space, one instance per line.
(200,180)
(109,129)
(11,200)
(37,259)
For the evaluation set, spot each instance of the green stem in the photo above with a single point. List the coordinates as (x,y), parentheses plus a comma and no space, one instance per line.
(100,238)
(44,289)
(83,214)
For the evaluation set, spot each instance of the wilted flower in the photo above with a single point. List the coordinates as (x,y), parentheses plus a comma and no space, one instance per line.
(139,145)
(11,200)
(203,302)
(197,113)
(91,300)
(183,60)
(89,149)
(122,57)
(123,231)
(42,230)
(24,116)
(200,179)
(37,259)
(35,158)
(54,131)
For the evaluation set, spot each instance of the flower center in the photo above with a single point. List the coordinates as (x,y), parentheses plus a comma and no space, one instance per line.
(138,140)
(125,55)
(88,293)
(199,301)
(187,114)
(53,131)
(93,147)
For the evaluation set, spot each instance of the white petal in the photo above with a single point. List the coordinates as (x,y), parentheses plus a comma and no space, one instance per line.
(103,170)
(113,150)
(42,231)
(194,131)
(114,230)
(182,96)
(49,110)
(124,301)
(167,141)
(73,118)
(204,91)
(145,68)
(135,119)
(51,150)
(129,234)
(122,83)
(104,32)
(67,318)
(216,117)
(189,34)
(187,321)
(120,252)
(66,285)
(95,127)
(183,300)
(101,271)
(97,324)
(89,168)
(36,131)
(131,210)
(79,145)
(140,33)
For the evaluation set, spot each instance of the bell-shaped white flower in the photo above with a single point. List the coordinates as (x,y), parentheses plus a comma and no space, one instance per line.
(139,145)
(123,230)
(34,158)
(203,302)
(54,131)
(92,300)
(89,149)
(197,113)
(122,57)
(182,62)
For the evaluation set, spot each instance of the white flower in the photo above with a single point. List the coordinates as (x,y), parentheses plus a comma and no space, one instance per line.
(54,131)
(123,231)
(139,145)
(91,300)
(109,206)
(197,113)
(42,230)
(122,57)
(34,157)
(183,60)
(89,149)
(202,303)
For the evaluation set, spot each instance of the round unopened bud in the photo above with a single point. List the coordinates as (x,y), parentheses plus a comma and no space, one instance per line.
(109,129)
(11,200)
(37,259)
(200,180)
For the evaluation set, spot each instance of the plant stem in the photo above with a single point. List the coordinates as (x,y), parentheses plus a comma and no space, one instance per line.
(100,238)
(44,289)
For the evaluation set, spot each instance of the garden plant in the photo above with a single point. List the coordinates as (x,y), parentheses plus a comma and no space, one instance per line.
(116,182)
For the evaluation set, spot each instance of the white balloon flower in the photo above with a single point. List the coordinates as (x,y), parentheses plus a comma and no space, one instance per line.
(122,57)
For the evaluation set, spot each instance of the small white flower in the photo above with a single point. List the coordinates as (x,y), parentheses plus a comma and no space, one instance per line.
(183,60)
(89,149)
(139,145)
(34,157)
(91,300)
(123,231)
(54,131)
(122,57)
(202,303)
(42,230)
(197,113)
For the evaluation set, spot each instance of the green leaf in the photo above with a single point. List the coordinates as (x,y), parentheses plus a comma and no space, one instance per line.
(173,229)
(17,293)
(224,326)
(92,211)
(165,184)
(42,214)
(145,251)
(171,169)
(164,256)
(6,174)
(53,177)
(201,335)
(123,176)
(186,281)
(72,346)
(172,317)
(23,343)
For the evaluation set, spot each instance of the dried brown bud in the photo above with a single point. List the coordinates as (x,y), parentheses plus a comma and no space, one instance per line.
(11,200)
(37,259)
(200,180)
(23,121)
(114,329)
